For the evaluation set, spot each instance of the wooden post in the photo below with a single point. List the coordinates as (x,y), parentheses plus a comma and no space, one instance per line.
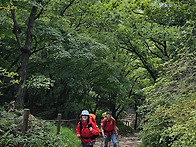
(59,123)
(25,120)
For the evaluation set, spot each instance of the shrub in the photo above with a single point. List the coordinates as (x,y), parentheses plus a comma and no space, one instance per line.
(169,110)
(40,133)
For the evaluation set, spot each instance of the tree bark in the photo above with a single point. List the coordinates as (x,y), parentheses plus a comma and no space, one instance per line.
(136,114)
(25,53)
(21,88)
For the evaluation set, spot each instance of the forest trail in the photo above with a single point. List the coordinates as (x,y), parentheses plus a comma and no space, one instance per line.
(122,141)
(128,140)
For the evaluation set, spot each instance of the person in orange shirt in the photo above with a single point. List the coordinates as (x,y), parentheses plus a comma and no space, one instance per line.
(109,129)
(86,130)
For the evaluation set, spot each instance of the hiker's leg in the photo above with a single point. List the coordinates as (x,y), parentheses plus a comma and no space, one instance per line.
(113,138)
(106,141)
(83,144)
(109,142)
(90,144)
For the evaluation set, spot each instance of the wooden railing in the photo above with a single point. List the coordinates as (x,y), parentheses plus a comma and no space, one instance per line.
(58,121)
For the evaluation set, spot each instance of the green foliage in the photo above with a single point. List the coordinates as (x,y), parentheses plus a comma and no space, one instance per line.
(40,133)
(169,110)
(39,81)
(102,54)
(171,12)
(7,79)
(82,68)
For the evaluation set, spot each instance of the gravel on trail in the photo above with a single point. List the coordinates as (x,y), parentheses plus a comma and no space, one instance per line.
(122,141)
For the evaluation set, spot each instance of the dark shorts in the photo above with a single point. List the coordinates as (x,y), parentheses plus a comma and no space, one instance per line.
(88,144)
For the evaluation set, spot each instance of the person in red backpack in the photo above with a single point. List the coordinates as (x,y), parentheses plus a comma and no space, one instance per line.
(109,129)
(86,130)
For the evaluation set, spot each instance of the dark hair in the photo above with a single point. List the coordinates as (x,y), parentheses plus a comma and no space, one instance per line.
(109,112)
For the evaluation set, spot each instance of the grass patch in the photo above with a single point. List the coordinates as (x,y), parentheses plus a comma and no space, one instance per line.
(67,136)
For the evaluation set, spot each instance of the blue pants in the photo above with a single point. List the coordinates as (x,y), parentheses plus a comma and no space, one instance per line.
(113,138)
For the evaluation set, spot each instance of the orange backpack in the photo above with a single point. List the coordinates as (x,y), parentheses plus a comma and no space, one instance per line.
(93,117)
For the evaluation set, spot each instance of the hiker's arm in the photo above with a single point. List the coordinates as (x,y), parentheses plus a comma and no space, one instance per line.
(78,131)
(102,132)
(94,131)
(102,128)
(10,110)
(115,127)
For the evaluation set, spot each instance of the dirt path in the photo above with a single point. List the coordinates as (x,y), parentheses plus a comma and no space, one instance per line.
(124,141)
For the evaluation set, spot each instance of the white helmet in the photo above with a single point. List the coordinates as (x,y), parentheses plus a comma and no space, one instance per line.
(85,112)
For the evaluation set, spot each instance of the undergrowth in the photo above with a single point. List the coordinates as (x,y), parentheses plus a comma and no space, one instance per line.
(39,134)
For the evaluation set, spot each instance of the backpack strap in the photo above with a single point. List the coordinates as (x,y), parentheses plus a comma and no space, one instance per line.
(89,125)
(80,126)
(105,121)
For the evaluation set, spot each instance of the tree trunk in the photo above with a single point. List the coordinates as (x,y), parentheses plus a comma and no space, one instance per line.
(26,51)
(113,104)
(23,74)
(136,114)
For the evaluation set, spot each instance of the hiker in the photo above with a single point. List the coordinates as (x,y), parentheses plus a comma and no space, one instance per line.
(86,130)
(12,107)
(109,129)
(109,141)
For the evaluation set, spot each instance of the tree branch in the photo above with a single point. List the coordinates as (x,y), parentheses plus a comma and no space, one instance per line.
(38,15)
(165,49)
(127,73)
(41,11)
(63,11)
(118,107)
(137,12)
(130,93)
(120,112)
(30,27)
(141,59)
(35,51)
(79,23)
(157,42)
(16,29)
(152,51)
